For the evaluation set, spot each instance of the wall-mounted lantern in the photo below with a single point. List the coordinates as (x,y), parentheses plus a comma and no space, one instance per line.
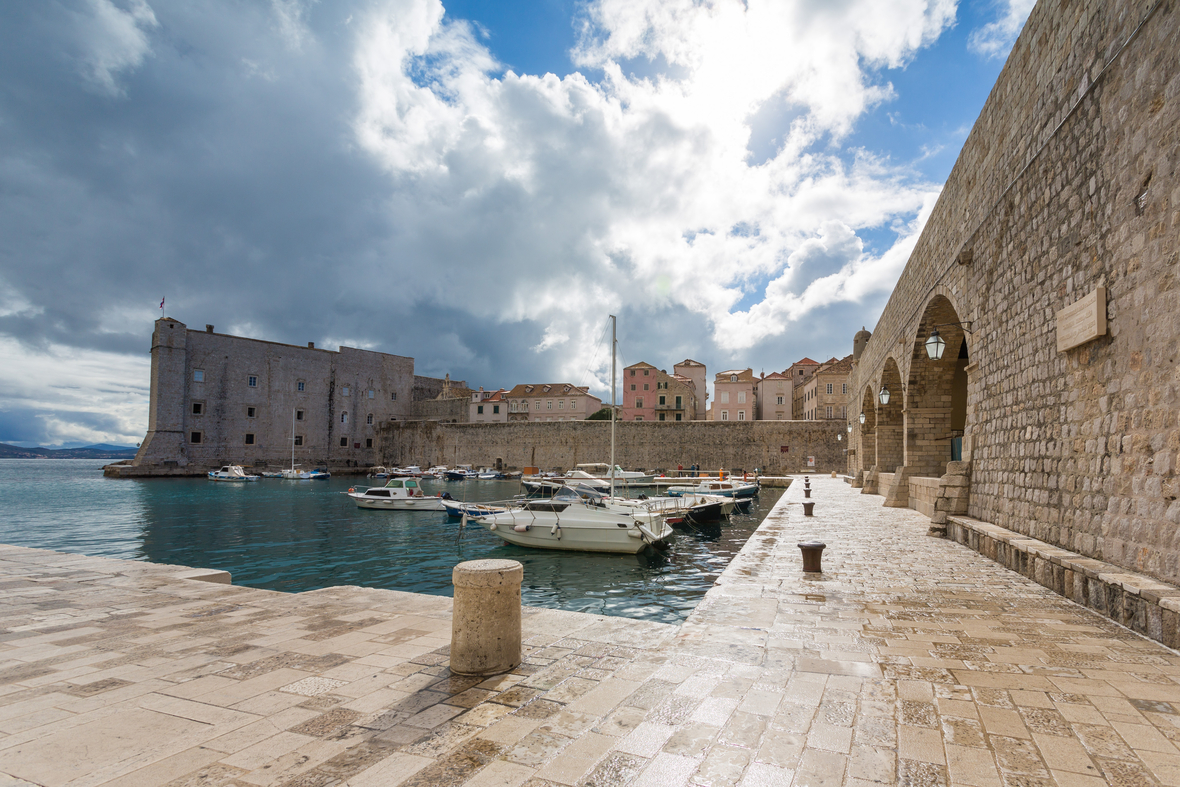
(935,346)
(850,429)
(862,417)
(884,395)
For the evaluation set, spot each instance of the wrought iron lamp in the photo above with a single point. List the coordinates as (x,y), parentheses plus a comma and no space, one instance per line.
(884,395)
(935,345)
(862,417)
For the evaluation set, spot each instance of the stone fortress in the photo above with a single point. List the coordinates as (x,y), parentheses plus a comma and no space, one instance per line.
(218,399)
(1049,269)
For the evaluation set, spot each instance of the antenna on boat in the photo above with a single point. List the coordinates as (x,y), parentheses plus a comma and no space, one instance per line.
(614,345)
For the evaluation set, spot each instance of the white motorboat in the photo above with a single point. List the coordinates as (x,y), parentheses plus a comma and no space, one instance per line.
(582,478)
(456,509)
(232,473)
(400,494)
(714,486)
(607,472)
(293,474)
(565,521)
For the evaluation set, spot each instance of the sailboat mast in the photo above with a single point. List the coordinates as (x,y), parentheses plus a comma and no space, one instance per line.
(292,441)
(613,348)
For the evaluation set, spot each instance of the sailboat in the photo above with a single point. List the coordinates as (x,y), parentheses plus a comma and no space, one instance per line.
(301,475)
(570,521)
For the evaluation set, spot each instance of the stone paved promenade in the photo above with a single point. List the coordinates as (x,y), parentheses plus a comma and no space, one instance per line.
(911,660)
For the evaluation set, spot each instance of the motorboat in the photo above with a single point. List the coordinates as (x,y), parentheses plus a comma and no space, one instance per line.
(690,509)
(607,472)
(565,521)
(582,478)
(232,473)
(456,509)
(293,474)
(399,494)
(714,486)
(489,475)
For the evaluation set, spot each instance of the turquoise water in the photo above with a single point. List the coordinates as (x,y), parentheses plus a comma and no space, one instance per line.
(302,535)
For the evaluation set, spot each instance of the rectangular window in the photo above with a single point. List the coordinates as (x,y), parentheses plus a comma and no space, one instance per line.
(632,372)
(843,388)
(829,388)
(662,416)
(778,400)
(495,409)
(344,442)
(639,418)
(678,418)
(741,415)
(251,412)
(298,440)
(198,375)
(300,386)
(574,404)
(725,415)
(549,405)
(479,409)
(645,372)
(536,404)
(639,402)
(249,438)
(645,386)
(725,397)
(393,396)
(198,408)
(298,415)
(372,393)
(663,400)
(368,442)
(632,386)
(346,390)
(679,403)
(561,404)
(741,397)
(369,419)
(252,381)
(194,438)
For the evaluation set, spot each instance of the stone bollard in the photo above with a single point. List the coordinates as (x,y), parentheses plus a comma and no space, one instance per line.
(807,491)
(808,507)
(833,474)
(812,553)
(485,620)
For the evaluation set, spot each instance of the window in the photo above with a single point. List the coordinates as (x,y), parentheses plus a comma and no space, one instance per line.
(479,409)
(663,400)
(198,408)
(344,417)
(194,438)
(249,438)
(725,397)
(778,400)
(372,393)
(251,412)
(536,404)
(678,418)
(298,415)
(393,396)
(829,388)
(574,404)
(561,405)
(639,418)
(344,442)
(369,419)
(843,388)
(549,405)
(368,442)
(346,390)
(252,381)
(300,386)
(639,402)
(725,415)
(495,409)
(662,416)
(198,375)
(829,411)
(645,375)
(679,403)
(632,372)
(741,397)
(741,415)
(733,378)
(298,440)
(632,385)
(645,387)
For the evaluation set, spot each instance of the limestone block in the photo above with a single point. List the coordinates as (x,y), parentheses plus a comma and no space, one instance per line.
(485,621)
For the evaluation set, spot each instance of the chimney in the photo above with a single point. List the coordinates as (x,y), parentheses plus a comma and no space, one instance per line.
(208,328)
(311,345)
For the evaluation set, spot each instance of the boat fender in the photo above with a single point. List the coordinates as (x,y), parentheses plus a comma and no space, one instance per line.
(555,531)
(351,489)
(492,526)
(521,528)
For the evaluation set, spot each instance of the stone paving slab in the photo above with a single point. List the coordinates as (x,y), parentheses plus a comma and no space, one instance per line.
(911,660)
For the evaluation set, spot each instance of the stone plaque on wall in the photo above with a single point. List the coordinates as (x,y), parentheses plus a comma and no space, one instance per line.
(1082,321)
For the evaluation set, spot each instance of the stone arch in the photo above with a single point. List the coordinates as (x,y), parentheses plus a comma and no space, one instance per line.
(867,452)
(936,410)
(890,425)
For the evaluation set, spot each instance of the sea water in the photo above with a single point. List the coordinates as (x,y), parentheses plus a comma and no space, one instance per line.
(303,535)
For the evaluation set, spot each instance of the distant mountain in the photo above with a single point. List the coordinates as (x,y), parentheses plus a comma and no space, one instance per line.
(90,452)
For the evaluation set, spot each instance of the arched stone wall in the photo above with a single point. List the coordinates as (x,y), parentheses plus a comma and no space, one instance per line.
(868,431)
(935,390)
(890,419)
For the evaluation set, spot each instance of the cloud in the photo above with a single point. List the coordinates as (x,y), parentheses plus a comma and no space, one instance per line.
(995,39)
(368,173)
(112,40)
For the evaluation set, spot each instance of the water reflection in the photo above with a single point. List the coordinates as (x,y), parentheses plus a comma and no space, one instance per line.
(296,536)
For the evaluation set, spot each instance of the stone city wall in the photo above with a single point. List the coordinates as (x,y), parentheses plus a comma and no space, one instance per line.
(638,444)
(1066,187)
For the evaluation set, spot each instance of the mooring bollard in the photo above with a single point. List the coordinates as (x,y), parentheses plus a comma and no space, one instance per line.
(485,619)
(812,553)
(808,507)
(807,491)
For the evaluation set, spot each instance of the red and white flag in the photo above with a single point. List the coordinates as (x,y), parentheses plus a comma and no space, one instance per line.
(162,304)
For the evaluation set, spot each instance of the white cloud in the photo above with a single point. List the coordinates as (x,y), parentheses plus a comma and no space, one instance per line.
(580,197)
(114,40)
(995,39)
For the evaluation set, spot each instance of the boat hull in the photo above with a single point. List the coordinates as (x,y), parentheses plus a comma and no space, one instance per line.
(542,530)
(398,503)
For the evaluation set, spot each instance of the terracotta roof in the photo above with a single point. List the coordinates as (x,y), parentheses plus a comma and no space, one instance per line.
(777,376)
(744,375)
(640,365)
(805,362)
(547,389)
(690,362)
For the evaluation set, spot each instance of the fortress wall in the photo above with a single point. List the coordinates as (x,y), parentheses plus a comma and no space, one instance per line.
(639,444)
(1067,183)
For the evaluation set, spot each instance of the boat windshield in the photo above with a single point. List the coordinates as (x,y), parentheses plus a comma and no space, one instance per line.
(395,483)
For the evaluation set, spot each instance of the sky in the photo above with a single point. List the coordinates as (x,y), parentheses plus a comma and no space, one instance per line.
(475,184)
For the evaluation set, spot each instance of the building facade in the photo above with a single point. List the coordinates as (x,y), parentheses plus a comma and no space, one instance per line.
(799,372)
(651,394)
(218,399)
(488,407)
(551,402)
(639,392)
(694,372)
(734,395)
(774,393)
(825,392)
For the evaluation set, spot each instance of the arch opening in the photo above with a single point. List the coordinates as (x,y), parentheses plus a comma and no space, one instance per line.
(867,453)
(936,417)
(890,424)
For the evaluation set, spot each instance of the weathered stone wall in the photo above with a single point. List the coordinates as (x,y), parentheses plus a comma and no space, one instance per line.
(343,397)
(638,444)
(1066,183)
(452,410)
